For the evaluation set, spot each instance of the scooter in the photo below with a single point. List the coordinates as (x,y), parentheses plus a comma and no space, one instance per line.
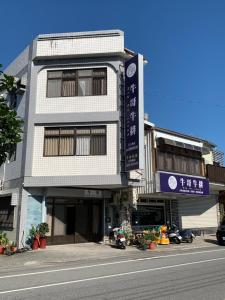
(177,236)
(174,235)
(187,235)
(117,235)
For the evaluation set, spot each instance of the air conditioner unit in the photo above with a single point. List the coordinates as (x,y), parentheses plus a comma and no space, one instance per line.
(21,89)
(20,85)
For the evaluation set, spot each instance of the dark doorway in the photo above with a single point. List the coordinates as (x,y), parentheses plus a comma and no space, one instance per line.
(74,220)
(70,223)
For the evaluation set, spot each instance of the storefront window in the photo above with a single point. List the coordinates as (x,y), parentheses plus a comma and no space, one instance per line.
(148,215)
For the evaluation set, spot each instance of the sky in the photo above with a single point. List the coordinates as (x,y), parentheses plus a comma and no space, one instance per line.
(183,41)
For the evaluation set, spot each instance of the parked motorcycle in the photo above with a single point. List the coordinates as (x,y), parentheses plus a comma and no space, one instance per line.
(187,235)
(177,236)
(174,235)
(118,237)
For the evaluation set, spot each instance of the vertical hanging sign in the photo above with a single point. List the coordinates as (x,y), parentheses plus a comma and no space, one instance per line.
(134,113)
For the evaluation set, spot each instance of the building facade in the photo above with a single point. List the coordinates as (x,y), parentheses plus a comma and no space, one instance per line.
(69,168)
(178,186)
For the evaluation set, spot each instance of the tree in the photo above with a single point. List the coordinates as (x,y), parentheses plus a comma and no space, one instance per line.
(10,123)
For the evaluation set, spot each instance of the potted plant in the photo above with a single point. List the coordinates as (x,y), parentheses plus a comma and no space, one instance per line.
(13,247)
(150,238)
(42,228)
(35,237)
(142,243)
(3,242)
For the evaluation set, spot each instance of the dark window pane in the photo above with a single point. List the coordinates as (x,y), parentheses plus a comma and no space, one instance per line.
(6,213)
(99,86)
(98,145)
(69,74)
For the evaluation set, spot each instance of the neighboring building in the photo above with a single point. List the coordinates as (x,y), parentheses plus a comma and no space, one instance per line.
(218,157)
(69,168)
(178,186)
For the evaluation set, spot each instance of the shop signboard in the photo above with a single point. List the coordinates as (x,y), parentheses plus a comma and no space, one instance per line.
(134,113)
(183,184)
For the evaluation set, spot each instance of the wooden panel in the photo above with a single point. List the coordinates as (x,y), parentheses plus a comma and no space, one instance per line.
(216,173)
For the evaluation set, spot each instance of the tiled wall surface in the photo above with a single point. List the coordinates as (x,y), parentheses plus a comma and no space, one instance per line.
(80,46)
(76,104)
(75,165)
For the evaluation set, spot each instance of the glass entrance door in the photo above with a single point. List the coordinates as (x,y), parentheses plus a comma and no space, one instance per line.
(73,221)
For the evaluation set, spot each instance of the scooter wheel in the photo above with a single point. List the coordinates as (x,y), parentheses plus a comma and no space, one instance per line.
(176,240)
(123,246)
(190,240)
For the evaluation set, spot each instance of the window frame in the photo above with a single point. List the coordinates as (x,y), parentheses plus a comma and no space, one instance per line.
(11,213)
(75,135)
(76,78)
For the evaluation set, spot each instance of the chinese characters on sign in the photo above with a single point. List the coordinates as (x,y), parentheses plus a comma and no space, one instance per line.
(132,116)
(183,184)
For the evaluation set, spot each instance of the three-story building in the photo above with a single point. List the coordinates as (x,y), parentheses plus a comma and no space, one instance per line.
(71,159)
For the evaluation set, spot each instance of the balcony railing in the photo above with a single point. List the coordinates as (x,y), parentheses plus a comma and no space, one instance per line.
(216,173)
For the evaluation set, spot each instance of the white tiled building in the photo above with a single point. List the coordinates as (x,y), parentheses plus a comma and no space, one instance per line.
(70,163)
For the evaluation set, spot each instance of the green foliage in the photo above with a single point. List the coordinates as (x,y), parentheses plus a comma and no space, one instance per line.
(33,233)
(3,239)
(10,123)
(149,236)
(43,229)
(39,231)
(143,243)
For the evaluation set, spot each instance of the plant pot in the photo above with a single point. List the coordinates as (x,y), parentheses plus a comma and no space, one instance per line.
(152,246)
(14,249)
(2,249)
(35,244)
(42,243)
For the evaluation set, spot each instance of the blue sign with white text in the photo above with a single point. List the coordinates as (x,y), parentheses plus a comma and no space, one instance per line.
(132,114)
(183,184)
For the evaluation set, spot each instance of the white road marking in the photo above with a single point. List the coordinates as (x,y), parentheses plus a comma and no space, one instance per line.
(110,276)
(108,264)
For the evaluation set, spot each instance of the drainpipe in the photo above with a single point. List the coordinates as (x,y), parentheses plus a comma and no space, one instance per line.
(3,178)
(104,220)
(43,208)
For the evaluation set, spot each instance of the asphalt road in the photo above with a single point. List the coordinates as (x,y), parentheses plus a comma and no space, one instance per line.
(193,275)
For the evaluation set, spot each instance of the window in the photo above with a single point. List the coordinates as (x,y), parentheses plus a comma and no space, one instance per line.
(12,100)
(178,163)
(6,213)
(79,141)
(12,153)
(80,82)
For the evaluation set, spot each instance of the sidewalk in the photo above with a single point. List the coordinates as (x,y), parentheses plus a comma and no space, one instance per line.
(95,252)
